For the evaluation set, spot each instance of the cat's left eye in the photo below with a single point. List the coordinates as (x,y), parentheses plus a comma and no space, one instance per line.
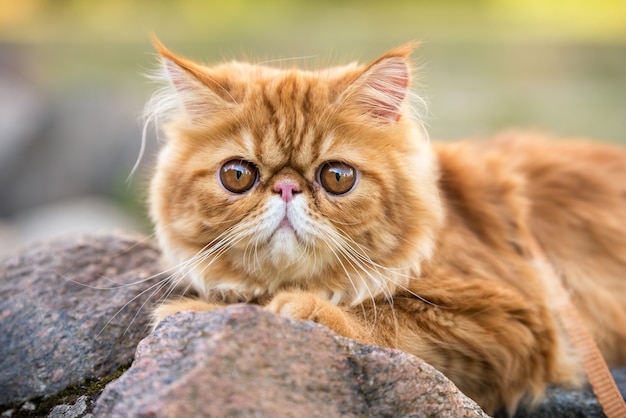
(337,178)
(238,176)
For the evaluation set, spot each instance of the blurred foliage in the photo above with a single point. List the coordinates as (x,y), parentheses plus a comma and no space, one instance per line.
(302,21)
(484,65)
(487,64)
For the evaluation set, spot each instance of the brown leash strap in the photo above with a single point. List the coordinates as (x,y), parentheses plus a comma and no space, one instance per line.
(597,371)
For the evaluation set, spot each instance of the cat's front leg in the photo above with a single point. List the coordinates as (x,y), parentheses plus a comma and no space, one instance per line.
(171,307)
(307,306)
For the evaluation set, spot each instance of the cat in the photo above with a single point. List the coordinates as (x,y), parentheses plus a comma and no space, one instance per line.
(319,195)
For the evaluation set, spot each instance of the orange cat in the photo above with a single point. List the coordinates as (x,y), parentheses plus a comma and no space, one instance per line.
(318,195)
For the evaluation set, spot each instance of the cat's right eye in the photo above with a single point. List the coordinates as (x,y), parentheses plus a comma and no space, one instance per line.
(238,176)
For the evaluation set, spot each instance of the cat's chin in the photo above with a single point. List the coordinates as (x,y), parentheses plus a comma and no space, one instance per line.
(285,249)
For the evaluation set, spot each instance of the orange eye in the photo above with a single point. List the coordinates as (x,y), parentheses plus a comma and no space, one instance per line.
(238,176)
(337,178)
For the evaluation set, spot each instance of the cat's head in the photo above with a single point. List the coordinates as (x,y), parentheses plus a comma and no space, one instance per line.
(282,178)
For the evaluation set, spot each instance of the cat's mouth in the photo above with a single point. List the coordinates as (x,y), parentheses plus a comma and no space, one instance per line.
(285,224)
(286,238)
(287,233)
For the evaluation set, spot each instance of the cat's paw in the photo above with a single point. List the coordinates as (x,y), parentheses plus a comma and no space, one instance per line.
(297,305)
(307,306)
(171,307)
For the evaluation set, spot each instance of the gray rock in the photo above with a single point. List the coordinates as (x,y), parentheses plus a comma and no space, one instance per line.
(87,214)
(564,403)
(23,116)
(245,361)
(78,409)
(72,309)
(240,361)
(87,145)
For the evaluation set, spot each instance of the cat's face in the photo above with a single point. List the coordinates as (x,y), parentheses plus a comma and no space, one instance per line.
(273,179)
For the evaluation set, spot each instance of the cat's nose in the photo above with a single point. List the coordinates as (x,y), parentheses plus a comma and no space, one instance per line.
(287,189)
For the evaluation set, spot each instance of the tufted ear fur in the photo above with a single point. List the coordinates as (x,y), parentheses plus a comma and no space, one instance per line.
(201,94)
(382,88)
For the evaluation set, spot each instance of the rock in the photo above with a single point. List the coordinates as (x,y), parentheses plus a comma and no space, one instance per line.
(87,214)
(86,143)
(72,309)
(8,238)
(240,360)
(564,403)
(245,361)
(78,409)
(23,117)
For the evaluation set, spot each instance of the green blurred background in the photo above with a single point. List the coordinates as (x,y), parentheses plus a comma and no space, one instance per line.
(72,85)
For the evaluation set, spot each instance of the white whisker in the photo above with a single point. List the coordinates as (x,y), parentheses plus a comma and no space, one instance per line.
(157,284)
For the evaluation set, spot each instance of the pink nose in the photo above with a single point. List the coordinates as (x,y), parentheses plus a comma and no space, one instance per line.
(286,189)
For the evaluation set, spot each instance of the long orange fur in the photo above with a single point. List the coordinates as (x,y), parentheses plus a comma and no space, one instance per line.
(428,253)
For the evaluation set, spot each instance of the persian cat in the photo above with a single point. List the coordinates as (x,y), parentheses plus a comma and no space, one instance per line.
(318,195)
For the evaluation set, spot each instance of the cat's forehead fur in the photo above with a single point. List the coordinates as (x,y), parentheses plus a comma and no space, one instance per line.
(283,115)
(236,77)
(253,72)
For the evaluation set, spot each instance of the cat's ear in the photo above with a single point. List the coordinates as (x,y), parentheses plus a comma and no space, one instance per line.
(201,93)
(381,89)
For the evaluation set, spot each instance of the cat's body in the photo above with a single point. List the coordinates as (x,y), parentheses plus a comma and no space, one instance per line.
(317,195)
